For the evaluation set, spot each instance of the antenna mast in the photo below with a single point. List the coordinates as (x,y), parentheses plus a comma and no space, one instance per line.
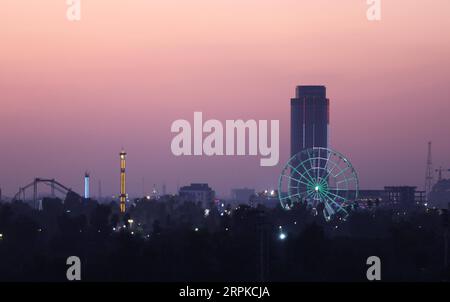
(429,173)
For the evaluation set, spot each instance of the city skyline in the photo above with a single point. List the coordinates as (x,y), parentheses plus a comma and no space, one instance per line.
(73,94)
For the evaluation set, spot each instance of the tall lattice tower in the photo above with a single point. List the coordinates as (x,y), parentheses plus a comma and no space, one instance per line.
(123,194)
(429,173)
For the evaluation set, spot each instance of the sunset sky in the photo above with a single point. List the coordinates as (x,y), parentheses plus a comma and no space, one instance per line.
(73,93)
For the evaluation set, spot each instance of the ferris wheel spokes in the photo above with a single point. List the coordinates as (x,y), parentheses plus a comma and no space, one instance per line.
(319,176)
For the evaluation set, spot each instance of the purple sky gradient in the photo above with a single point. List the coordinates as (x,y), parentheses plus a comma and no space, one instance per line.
(72,94)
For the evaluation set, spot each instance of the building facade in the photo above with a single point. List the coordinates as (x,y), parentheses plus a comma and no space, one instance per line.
(310,118)
(198,193)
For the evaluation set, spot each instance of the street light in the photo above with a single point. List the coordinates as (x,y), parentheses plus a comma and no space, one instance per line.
(130,222)
(282,236)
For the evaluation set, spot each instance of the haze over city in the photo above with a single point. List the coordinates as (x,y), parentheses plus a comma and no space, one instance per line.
(74,94)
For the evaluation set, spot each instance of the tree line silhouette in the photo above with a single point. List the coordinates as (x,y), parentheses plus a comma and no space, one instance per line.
(169,240)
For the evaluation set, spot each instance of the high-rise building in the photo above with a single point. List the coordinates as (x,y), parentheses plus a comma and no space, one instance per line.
(123,194)
(201,193)
(86,185)
(310,118)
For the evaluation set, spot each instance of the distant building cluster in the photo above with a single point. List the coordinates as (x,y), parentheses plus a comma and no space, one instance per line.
(393,196)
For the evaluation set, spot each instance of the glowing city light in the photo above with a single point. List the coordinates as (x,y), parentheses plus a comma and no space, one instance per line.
(282,236)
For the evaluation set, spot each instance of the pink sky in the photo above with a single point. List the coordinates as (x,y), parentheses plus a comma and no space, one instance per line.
(73,93)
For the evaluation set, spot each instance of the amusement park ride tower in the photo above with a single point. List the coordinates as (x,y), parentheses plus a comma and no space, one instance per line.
(86,185)
(123,194)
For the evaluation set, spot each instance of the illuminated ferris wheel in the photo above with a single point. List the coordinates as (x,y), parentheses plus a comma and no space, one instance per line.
(322,178)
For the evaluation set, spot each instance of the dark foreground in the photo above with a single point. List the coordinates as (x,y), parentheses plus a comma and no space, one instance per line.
(170,241)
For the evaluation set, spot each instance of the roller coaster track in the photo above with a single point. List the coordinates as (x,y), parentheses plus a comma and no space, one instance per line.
(52,183)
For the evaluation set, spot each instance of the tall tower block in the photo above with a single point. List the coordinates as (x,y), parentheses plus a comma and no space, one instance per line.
(310,118)
(123,194)
(86,185)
